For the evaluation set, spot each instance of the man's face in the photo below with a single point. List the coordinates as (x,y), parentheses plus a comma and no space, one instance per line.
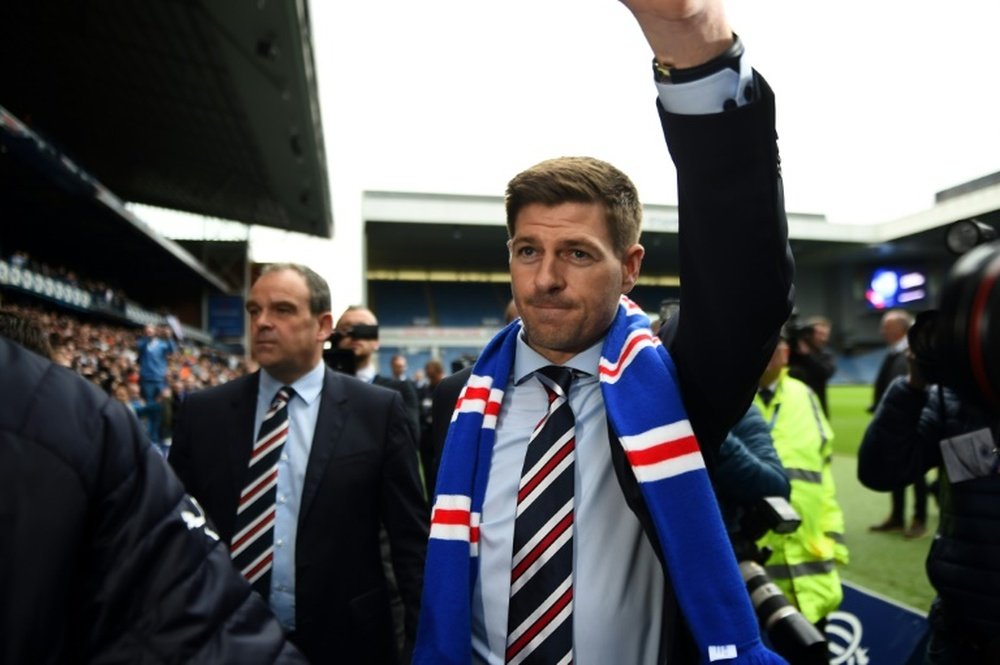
(363,348)
(398,366)
(820,335)
(893,329)
(566,276)
(286,339)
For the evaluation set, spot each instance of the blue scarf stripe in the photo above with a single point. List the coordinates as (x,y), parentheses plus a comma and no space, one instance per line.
(644,409)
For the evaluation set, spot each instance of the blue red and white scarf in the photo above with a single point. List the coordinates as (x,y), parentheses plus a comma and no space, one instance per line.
(639,386)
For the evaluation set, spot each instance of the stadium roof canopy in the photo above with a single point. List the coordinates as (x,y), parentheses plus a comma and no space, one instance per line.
(463,237)
(206,107)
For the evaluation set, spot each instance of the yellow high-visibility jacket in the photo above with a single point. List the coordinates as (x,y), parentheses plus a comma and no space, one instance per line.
(803,563)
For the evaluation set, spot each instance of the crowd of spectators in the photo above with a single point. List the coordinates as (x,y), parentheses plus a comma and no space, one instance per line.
(108,355)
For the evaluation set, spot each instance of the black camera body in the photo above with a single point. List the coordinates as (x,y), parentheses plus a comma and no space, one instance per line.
(790,633)
(343,360)
(968,327)
(958,345)
(793,332)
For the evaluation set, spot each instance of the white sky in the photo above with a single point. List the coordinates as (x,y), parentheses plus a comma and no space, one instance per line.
(880,103)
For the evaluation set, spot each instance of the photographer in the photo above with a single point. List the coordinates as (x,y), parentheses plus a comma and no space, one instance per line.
(804,562)
(921,424)
(809,359)
(357,332)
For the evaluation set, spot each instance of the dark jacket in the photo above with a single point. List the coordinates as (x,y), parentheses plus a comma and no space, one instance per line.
(736,268)
(901,443)
(893,365)
(748,468)
(103,558)
(361,475)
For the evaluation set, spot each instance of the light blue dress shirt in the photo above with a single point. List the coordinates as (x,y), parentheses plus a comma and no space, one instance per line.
(618,585)
(303,409)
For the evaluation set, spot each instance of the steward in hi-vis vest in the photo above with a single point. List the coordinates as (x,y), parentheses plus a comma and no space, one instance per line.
(803,563)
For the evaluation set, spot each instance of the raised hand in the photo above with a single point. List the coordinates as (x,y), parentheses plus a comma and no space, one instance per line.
(682,33)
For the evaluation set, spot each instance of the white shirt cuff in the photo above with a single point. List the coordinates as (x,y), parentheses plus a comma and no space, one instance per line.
(711,94)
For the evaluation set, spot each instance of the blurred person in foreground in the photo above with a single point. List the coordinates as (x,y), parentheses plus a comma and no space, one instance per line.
(105,559)
(574,519)
(921,424)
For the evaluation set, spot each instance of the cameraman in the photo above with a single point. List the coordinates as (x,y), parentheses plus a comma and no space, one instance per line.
(809,359)
(804,562)
(921,424)
(364,346)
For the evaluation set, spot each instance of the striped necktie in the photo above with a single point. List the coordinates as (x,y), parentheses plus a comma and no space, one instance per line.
(252,548)
(540,614)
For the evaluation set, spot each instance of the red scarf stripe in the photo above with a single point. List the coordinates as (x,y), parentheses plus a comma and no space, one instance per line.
(663,451)
(636,342)
(452,519)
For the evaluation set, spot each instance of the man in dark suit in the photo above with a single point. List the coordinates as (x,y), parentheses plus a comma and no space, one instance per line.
(893,328)
(574,228)
(349,465)
(364,348)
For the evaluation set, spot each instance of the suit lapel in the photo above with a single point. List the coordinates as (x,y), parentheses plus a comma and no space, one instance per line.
(329,426)
(242,411)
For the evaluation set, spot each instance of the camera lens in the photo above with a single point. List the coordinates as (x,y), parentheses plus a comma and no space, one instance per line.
(970,302)
(789,632)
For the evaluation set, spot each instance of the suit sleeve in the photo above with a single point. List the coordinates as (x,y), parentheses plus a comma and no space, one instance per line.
(404,514)
(180,455)
(735,264)
(412,404)
(900,442)
(166,588)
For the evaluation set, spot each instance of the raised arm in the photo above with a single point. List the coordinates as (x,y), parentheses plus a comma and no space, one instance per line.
(735,265)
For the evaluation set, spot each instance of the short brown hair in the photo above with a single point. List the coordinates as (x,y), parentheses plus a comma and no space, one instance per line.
(579,180)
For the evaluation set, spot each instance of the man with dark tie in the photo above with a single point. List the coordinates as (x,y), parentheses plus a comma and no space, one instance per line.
(573,517)
(297,466)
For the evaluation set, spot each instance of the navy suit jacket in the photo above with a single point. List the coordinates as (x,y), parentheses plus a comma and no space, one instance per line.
(362,472)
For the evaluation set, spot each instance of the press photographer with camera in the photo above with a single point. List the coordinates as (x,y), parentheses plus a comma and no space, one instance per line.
(803,562)
(945,414)
(354,342)
(810,359)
